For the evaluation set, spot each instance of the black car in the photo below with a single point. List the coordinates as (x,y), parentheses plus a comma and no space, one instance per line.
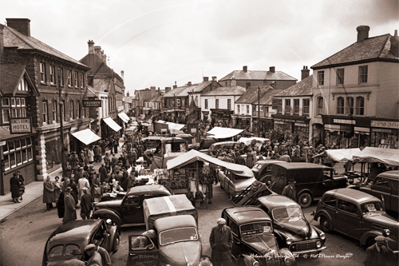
(253,234)
(262,168)
(129,210)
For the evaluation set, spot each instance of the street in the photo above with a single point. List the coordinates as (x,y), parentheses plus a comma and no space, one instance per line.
(24,234)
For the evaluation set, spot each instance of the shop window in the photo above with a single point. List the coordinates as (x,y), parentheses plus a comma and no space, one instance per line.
(217,103)
(61,76)
(320,77)
(17,152)
(340,76)
(52,75)
(349,105)
(363,74)
(45,111)
(69,78)
(340,105)
(42,72)
(206,103)
(359,105)
(320,103)
(296,106)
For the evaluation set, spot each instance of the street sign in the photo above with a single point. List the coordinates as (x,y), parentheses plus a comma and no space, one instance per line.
(91,103)
(20,125)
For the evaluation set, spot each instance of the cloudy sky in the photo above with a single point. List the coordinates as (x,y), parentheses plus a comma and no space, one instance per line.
(160,42)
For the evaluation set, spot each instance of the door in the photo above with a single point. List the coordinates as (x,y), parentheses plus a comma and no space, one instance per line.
(142,251)
(325,182)
(382,188)
(348,219)
(132,209)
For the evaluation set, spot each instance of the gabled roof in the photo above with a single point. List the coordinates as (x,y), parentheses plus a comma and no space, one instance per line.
(302,88)
(13,38)
(91,92)
(251,95)
(103,84)
(257,75)
(157,98)
(176,92)
(375,48)
(267,98)
(226,91)
(11,75)
(199,86)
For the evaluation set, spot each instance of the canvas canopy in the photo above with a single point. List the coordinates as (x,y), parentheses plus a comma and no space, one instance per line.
(193,155)
(124,117)
(86,136)
(223,132)
(247,141)
(112,124)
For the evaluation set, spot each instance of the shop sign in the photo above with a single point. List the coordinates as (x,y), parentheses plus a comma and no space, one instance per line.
(20,125)
(91,103)
(344,121)
(301,124)
(385,124)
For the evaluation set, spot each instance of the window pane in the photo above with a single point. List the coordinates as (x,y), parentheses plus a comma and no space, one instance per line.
(28,141)
(23,110)
(12,160)
(24,157)
(6,102)
(17,144)
(23,142)
(29,152)
(6,115)
(18,101)
(18,156)
(22,101)
(10,145)
(12,101)
(6,161)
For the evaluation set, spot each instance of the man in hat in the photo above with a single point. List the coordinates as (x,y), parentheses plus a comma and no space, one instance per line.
(69,205)
(86,204)
(221,240)
(379,254)
(289,190)
(76,260)
(93,255)
(105,257)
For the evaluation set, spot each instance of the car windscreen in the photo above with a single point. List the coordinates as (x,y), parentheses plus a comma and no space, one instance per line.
(257,166)
(177,235)
(287,214)
(58,252)
(371,207)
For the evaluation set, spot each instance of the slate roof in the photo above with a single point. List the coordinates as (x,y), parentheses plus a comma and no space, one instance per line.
(371,48)
(257,75)
(157,98)
(267,98)
(251,95)
(13,38)
(200,86)
(302,88)
(10,76)
(176,92)
(226,91)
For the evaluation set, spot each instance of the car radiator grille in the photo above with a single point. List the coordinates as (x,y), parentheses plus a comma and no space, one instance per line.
(305,246)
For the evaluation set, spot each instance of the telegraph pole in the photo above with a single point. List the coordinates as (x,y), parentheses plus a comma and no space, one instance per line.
(258,112)
(61,125)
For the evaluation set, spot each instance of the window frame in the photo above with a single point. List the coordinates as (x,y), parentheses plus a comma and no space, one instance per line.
(216,103)
(363,74)
(25,147)
(228,104)
(287,107)
(69,78)
(320,105)
(71,110)
(350,105)
(296,106)
(340,76)
(54,111)
(320,77)
(81,80)
(53,80)
(42,70)
(45,111)
(206,103)
(340,108)
(359,110)
(76,79)
(61,76)
(247,109)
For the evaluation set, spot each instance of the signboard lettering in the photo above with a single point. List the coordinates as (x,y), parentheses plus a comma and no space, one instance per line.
(91,103)
(344,121)
(20,125)
(385,124)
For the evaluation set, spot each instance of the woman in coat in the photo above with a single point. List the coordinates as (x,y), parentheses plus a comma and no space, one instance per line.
(57,189)
(14,188)
(250,159)
(48,193)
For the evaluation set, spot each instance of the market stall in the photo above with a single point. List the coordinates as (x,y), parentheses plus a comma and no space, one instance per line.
(224,132)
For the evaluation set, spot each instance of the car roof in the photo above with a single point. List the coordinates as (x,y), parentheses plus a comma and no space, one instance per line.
(392,175)
(352,194)
(274,201)
(247,214)
(178,221)
(158,189)
(74,232)
(296,165)
(268,162)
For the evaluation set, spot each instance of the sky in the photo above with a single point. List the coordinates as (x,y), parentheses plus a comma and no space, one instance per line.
(161,43)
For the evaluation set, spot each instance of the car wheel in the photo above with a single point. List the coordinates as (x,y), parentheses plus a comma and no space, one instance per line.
(370,241)
(325,224)
(116,244)
(305,199)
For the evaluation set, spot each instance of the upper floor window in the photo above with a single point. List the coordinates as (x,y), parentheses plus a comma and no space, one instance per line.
(247,109)
(178,102)
(266,111)
(340,76)
(320,105)
(340,105)
(359,105)
(81,80)
(75,79)
(61,76)
(206,103)
(320,77)
(287,106)
(52,75)
(279,106)
(54,111)
(349,105)
(69,78)
(228,104)
(238,108)
(217,103)
(305,109)
(45,111)
(71,110)
(42,72)
(363,74)
(23,85)
(296,106)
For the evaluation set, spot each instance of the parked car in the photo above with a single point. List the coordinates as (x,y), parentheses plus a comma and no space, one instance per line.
(358,215)
(169,148)
(386,187)
(234,183)
(312,180)
(129,210)
(262,169)
(252,231)
(76,235)
(177,242)
(291,228)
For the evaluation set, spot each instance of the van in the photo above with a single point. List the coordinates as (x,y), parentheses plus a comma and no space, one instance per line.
(312,180)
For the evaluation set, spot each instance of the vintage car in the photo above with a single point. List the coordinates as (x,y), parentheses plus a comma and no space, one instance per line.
(129,210)
(252,231)
(177,242)
(76,235)
(151,143)
(312,180)
(262,169)
(291,228)
(235,183)
(358,215)
(167,149)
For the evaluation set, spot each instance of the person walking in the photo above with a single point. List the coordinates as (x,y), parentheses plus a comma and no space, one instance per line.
(48,193)
(83,182)
(57,189)
(289,190)
(21,181)
(103,173)
(105,257)
(90,155)
(380,254)
(14,188)
(69,205)
(221,241)
(86,204)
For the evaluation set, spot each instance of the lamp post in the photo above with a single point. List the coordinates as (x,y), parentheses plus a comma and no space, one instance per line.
(258,112)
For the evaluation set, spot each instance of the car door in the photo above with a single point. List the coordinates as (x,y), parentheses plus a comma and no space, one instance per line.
(382,188)
(102,236)
(348,219)
(142,251)
(394,195)
(132,209)
(237,245)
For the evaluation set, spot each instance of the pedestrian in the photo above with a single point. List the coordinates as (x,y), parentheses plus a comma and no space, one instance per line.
(221,241)
(21,181)
(61,205)
(289,190)
(131,180)
(75,260)
(57,189)
(107,158)
(105,257)
(48,193)
(83,183)
(94,258)
(103,173)
(285,157)
(90,155)
(14,188)
(86,204)
(75,192)
(251,158)
(69,205)
(380,254)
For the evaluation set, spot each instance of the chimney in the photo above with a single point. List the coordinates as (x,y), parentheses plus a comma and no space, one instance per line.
(213,78)
(206,78)
(103,57)
(362,33)
(97,51)
(395,44)
(174,86)
(20,24)
(91,46)
(189,83)
(272,69)
(1,41)
(233,82)
(167,89)
(123,75)
(245,68)
(305,72)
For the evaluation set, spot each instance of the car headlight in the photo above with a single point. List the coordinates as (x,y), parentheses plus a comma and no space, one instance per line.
(322,236)
(318,244)
(288,241)
(387,231)
(287,261)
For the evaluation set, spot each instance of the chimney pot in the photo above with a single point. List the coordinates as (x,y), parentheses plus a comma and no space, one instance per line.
(362,33)
(91,46)
(395,44)
(272,69)
(304,72)
(206,78)
(20,24)
(245,68)
(123,74)
(213,78)
(189,83)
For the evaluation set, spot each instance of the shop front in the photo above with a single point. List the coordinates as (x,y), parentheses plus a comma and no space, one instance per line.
(384,134)
(294,130)
(243,121)
(222,117)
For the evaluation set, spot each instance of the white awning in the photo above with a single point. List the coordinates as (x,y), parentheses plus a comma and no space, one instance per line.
(223,132)
(86,136)
(124,117)
(112,124)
